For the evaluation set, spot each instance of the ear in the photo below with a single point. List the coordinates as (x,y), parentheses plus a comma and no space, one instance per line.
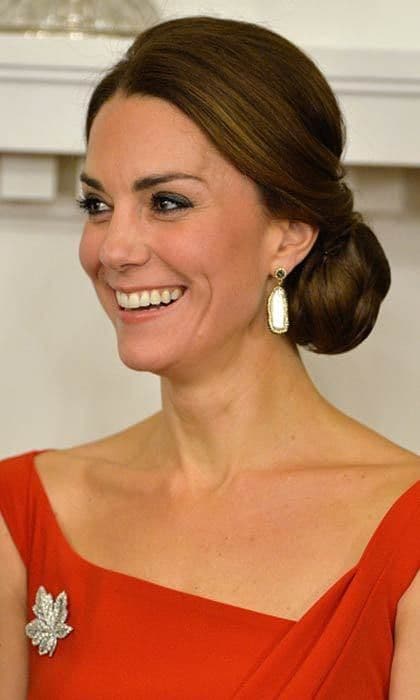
(290,243)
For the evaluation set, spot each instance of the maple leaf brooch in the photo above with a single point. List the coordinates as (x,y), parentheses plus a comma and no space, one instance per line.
(49,622)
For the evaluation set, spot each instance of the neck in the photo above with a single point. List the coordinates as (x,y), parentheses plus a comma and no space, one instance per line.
(234,420)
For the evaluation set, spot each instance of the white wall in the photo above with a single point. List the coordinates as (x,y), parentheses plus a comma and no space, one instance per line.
(333,23)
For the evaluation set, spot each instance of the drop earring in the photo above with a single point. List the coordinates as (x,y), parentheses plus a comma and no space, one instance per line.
(278,317)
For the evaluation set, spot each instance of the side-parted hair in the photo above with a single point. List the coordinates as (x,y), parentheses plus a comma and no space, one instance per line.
(268,109)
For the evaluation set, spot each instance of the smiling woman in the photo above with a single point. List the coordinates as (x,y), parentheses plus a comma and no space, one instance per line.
(249,540)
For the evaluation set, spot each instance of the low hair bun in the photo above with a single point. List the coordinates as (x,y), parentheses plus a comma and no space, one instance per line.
(336,292)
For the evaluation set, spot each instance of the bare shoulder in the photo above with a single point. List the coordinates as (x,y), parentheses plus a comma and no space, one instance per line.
(387,482)
(399,477)
(74,470)
(118,448)
(382,469)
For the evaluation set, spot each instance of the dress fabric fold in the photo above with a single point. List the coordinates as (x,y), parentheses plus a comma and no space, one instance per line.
(135,638)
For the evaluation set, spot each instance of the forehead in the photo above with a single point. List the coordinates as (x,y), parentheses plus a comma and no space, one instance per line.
(151,131)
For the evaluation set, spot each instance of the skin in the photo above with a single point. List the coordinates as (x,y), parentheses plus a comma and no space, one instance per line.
(236,398)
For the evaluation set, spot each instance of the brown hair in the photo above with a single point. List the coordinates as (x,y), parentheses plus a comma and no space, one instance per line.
(269,110)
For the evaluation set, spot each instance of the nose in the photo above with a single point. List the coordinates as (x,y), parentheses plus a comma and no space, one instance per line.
(124,243)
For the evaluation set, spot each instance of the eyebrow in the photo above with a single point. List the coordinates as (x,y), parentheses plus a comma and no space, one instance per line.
(141,183)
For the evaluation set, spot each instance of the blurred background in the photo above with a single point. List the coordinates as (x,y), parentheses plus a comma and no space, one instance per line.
(61,380)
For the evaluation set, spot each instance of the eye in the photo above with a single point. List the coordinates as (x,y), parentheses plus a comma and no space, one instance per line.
(167,203)
(90,204)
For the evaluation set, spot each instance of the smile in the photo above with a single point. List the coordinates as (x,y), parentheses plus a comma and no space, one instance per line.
(148,313)
(145,298)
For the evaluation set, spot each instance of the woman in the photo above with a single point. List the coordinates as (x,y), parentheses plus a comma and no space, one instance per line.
(249,540)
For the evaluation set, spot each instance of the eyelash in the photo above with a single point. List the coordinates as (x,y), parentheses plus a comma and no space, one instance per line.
(87,202)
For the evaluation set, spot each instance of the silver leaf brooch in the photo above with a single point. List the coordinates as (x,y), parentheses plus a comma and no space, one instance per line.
(49,622)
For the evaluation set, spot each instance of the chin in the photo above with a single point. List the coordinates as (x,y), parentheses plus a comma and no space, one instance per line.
(146,359)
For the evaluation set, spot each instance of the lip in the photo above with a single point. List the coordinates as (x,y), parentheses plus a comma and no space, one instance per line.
(141,316)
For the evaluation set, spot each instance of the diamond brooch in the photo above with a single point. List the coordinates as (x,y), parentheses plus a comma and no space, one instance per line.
(49,622)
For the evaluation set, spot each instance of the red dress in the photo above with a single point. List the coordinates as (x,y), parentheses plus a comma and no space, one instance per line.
(133,639)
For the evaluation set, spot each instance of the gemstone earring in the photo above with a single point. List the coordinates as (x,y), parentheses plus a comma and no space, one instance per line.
(278,318)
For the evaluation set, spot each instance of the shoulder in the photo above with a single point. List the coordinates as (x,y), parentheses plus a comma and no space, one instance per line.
(13,467)
(82,469)
(396,478)
(357,498)
(371,486)
(386,474)
(118,448)
(387,483)
(401,477)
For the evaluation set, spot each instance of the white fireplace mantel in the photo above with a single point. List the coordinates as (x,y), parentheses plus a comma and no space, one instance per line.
(45,84)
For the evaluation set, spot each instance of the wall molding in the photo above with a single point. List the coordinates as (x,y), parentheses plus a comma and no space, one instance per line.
(45,83)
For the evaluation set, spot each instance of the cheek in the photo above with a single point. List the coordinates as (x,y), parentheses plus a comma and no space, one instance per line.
(234,267)
(240,253)
(88,253)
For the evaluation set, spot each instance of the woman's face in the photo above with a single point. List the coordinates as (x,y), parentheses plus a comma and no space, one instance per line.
(206,232)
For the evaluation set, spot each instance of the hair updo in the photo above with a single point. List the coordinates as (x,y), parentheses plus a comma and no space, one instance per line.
(269,110)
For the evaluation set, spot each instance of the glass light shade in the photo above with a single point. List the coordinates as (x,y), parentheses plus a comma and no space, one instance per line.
(77,17)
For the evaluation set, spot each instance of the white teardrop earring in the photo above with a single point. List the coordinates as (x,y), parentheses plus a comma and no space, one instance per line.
(278,317)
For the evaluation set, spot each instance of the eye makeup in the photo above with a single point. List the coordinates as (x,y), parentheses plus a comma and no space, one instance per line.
(89,203)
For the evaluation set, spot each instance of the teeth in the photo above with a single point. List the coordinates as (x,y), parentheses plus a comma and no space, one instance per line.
(155,297)
(146,298)
(132,300)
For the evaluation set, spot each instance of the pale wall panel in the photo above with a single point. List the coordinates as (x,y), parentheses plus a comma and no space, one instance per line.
(348,23)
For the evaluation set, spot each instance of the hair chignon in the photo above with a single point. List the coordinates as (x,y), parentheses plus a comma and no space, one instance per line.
(269,110)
